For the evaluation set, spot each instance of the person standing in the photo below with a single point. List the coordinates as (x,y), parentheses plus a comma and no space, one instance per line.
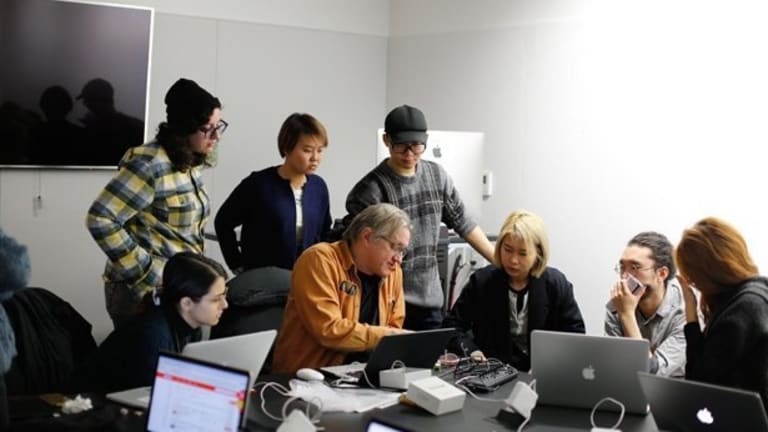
(156,204)
(425,191)
(282,209)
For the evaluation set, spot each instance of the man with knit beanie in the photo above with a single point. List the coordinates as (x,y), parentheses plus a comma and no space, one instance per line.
(156,205)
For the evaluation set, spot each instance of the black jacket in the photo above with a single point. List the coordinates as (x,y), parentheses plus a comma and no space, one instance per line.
(733,349)
(483,309)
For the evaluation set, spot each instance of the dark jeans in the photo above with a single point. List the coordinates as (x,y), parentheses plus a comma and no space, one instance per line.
(422,318)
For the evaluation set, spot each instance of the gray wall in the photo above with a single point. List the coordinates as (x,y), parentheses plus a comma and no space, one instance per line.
(607,118)
(262,73)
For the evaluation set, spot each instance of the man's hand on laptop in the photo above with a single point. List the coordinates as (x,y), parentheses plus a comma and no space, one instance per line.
(477,356)
(396,331)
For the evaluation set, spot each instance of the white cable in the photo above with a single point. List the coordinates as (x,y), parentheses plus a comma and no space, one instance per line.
(522,425)
(283,391)
(600,402)
(466,389)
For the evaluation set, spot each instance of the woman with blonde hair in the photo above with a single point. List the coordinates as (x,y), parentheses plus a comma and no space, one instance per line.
(503,302)
(732,350)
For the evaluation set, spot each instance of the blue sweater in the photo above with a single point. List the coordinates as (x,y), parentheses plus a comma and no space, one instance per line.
(263,203)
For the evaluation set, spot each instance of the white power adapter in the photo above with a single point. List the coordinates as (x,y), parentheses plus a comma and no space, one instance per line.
(435,395)
(400,378)
(296,421)
(522,399)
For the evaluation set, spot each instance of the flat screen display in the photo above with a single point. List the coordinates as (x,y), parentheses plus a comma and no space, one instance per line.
(74,81)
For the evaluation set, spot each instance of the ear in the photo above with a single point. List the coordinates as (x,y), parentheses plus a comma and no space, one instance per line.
(186,303)
(367,234)
(387,140)
(663,272)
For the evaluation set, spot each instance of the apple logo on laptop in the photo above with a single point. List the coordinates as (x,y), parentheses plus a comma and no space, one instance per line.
(588,373)
(705,416)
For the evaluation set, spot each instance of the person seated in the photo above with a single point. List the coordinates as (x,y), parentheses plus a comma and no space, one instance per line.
(504,302)
(655,311)
(733,351)
(14,273)
(345,296)
(193,294)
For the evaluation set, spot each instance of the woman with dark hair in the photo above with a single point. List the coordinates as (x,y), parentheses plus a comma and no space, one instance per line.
(732,350)
(282,209)
(193,294)
(14,272)
(156,204)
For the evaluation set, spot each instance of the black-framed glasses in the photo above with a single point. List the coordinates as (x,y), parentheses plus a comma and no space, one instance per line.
(219,127)
(415,147)
(399,250)
(632,268)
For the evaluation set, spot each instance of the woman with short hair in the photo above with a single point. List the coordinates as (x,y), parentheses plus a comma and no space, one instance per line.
(504,302)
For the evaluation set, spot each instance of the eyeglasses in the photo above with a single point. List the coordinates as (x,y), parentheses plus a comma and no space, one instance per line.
(396,248)
(208,130)
(633,268)
(416,148)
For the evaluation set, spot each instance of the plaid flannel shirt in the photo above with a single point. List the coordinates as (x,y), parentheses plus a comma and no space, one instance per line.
(147,213)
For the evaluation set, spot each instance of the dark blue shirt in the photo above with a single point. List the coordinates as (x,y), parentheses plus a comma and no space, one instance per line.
(264,205)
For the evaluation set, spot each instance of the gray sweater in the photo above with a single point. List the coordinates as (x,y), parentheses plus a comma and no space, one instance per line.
(429,197)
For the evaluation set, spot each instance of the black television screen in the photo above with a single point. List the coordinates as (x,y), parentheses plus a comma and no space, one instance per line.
(74,80)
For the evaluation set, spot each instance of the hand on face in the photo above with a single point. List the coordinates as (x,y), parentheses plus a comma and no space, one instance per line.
(623,300)
(689,296)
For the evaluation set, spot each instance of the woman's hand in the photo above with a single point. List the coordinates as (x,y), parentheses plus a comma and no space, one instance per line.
(477,356)
(690,298)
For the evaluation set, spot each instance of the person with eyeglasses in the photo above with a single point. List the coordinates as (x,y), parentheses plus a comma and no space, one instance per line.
(425,191)
(282,209)
(345,296)
(654,311)
(504,302)
(156,205)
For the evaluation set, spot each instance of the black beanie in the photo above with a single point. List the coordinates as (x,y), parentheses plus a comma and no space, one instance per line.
(188,106)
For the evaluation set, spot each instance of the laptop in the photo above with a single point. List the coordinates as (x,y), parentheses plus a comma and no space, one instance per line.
(191,394)
(577,370)
(679,405)
(418,349)
(248,351)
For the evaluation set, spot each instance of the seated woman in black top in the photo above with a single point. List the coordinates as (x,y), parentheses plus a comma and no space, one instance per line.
(193,294)
(732,350)
(502,303)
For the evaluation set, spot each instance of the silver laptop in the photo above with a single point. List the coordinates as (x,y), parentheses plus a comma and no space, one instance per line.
(246,351)
(577,370)
(190,394)
(135,397)
(679,405)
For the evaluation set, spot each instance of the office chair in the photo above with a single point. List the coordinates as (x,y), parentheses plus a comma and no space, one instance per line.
(256,300)
(52,338)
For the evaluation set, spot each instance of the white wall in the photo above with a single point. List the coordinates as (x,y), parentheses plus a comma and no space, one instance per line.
(327,60)
(606,118)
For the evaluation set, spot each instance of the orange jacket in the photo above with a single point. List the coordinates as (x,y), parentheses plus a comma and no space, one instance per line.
(320,323)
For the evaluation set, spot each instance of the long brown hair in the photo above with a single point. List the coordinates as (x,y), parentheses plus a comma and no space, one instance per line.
(714,254)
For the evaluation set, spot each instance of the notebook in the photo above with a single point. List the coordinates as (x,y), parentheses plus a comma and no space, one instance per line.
(577,370)
(246,351)
(418,349)
(191,394)
(679,405)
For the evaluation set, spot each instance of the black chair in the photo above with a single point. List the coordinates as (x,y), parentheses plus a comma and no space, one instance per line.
(256,300)
(52,339)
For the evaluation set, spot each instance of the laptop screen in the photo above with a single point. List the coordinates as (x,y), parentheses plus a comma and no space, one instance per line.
(191,394)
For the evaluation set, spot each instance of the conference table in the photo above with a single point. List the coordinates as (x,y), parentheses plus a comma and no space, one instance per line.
(476,415)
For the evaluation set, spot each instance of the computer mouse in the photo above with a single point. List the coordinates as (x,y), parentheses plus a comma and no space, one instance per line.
(308,374)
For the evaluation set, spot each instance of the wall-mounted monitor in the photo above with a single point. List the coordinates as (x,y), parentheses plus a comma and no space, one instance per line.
(74,82)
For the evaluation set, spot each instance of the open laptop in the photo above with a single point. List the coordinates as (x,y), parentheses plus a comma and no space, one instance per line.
(246,351)
(577,370)
(191,394)
(418,349)
(679,405)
